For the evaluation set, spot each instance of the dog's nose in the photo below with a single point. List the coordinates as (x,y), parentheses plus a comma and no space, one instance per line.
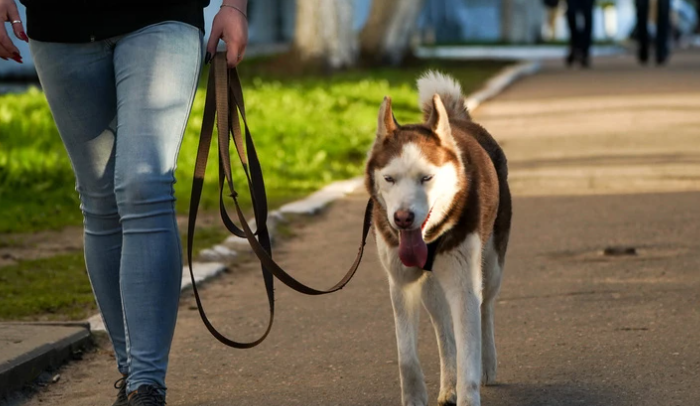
(404,218)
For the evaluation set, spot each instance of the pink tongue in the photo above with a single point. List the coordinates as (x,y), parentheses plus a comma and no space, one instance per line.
(412,249)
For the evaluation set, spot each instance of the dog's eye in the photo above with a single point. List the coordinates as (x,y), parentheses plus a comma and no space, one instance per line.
(426,178)
(389,179)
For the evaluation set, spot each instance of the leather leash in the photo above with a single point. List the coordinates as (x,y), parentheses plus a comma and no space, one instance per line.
(224,102)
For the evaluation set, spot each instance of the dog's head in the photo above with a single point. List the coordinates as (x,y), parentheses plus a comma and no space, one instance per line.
(415,172)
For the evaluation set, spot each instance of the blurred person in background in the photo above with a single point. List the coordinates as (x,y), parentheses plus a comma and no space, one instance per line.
(661,10)
(580,31)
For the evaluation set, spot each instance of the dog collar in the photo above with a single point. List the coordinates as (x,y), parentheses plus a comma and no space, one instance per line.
(432,252)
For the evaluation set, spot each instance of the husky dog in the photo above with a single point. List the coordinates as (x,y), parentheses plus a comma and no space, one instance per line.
(442,203)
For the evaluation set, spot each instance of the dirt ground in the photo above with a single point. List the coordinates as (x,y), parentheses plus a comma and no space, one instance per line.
(17,247)
(608,157)
(43,244)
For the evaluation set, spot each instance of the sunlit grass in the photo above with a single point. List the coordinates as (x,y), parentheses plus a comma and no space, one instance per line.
(54,288)
(309,131)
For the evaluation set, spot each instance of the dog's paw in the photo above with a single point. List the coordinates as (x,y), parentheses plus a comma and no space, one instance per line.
(488,376)
(415,403)
(416,399)
(447,398)
(488,366)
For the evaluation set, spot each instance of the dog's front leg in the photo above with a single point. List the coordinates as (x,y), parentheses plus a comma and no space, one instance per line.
(436,304)
(405,299)
(460,277)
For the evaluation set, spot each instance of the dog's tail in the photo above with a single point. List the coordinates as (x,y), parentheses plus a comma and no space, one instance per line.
(450,92)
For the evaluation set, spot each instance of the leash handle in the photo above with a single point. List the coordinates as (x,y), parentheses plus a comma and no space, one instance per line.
(224,102)
(210,113)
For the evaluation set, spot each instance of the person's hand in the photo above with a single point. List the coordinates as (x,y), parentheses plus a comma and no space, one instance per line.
(9,13)
(231,25)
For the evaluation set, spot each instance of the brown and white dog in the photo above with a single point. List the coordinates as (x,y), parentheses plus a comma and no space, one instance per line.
(441,198)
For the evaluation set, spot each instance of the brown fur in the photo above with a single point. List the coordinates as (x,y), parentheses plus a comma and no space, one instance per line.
(455,106)
(483,203)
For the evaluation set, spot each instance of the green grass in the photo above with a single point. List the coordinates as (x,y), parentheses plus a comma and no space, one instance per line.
(54,288)
(57,288)
(204,237)
(309,131)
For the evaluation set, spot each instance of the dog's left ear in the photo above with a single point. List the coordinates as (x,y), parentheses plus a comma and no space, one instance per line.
(439,121)
(386,123)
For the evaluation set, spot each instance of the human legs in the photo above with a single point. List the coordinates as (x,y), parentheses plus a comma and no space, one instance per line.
(121,106)
(572,7)
(78,80)
(580,36)
(156,76)
(663,26)
(642,30)
(586,10)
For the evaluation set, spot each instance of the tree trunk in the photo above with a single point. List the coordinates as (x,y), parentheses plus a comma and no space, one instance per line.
(341,42)
(323,35)
(506,19)
(387,35)
(521,21)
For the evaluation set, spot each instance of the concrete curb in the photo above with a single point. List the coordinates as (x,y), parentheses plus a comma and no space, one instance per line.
(17,371)
(500,82)
(514,52)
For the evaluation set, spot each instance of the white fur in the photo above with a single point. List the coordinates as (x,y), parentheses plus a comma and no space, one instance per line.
(407,192)
(452,295)
(432,82)
(459,293)
(460,275)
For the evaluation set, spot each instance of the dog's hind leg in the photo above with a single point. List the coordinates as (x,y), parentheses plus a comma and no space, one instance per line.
(460,277)
(492,284)
(405,299)
(439,310)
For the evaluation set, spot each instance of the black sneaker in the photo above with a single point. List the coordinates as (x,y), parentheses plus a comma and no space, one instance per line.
(122,399)
(643,55)
(146,395)
(569,61)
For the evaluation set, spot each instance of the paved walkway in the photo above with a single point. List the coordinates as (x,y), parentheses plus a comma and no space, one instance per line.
(28,349)
(609,156)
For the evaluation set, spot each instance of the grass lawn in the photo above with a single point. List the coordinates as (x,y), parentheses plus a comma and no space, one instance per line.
(46,289)
(57,288)
(309,131)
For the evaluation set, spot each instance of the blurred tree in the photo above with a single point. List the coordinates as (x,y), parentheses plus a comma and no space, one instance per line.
(323,34)
(386,37)
(521,21)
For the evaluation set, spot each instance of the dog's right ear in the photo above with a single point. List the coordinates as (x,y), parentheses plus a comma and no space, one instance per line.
(386,122)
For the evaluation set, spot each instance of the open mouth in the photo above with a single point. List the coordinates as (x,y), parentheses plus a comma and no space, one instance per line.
(413,251)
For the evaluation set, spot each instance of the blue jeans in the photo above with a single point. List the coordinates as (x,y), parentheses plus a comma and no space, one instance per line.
(121,106)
